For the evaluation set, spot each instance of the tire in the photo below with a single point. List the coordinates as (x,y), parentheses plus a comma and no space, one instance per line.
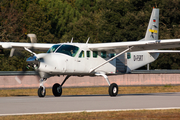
(41,93)
(57,90)
(113,89)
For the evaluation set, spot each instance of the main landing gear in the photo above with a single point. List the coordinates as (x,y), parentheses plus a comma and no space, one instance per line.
(56,89)
(113,88)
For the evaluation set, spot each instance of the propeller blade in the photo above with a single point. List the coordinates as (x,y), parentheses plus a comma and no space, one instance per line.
(18,80)
(32,38)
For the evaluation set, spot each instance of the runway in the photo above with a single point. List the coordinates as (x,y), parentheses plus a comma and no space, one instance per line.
(24,105)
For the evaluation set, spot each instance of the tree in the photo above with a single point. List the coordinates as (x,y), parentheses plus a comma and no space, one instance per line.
(102,20)
(11,25)
(36,22)
(59,14)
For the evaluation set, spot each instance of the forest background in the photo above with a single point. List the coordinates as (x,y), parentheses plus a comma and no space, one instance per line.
(56,21)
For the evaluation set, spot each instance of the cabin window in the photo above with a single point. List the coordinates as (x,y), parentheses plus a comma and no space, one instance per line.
(103,54)
(68,50)
(95,54)
(112,55)
(81,55)
(128,55)
(88,54)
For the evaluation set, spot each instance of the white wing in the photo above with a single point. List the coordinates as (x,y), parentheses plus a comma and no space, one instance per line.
(137,45)
(163,51)
(34,46)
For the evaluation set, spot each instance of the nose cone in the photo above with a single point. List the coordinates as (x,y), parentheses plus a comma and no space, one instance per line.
(32,59)
(53,63)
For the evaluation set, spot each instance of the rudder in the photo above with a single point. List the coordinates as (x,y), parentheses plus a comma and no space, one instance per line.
(153,26)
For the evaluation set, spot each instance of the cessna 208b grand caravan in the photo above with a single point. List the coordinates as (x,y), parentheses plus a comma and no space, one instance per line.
(97,59)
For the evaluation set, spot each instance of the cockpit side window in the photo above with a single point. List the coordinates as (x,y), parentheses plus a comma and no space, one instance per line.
(88,54)
(81,55)
(68,50)
(53,48)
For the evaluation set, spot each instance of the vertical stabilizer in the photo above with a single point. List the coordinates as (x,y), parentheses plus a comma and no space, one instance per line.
(153,26)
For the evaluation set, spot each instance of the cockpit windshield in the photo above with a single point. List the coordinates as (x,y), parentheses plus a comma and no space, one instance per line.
(65,49)
(68,50)
(53,48)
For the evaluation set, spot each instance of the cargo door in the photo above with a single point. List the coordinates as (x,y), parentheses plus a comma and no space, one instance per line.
(121,64)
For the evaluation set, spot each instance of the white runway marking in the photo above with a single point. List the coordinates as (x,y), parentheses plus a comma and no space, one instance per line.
(88,111)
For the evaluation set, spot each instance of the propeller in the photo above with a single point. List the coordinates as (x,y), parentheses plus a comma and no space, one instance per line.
(33,59)
(32,37)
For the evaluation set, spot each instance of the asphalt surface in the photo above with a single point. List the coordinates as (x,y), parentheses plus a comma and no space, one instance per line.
(24,105)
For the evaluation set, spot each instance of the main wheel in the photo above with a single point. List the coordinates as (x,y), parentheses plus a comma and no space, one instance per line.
(57,90)
(41,92)
(113,89)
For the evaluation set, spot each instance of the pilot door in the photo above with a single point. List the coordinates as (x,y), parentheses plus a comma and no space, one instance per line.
(80,61)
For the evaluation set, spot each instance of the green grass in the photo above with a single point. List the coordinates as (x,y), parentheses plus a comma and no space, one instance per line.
(139,114)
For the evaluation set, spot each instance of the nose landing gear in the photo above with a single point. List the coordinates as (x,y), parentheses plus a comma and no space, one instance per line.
(41,92)
(42,89)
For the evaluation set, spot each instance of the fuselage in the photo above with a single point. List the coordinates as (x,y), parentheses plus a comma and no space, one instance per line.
(74,59)
(78,59)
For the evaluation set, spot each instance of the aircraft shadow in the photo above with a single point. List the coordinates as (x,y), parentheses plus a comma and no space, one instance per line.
(119,95)
(19,95)
(153,94)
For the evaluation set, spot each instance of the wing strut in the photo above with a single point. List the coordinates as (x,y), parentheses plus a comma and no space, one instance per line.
(65,79)
(30,51)
(111,59)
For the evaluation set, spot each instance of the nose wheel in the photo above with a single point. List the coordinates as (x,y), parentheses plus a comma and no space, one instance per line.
(41,91)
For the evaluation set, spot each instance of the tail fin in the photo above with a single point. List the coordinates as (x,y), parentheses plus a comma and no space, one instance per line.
(153,27)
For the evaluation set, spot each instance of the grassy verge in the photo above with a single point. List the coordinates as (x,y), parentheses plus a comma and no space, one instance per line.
(140,114)
(92,90)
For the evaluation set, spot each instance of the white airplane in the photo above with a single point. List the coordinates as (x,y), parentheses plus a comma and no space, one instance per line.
(97,59)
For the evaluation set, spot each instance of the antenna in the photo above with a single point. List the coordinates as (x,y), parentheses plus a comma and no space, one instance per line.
(72,40)
(87,40)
